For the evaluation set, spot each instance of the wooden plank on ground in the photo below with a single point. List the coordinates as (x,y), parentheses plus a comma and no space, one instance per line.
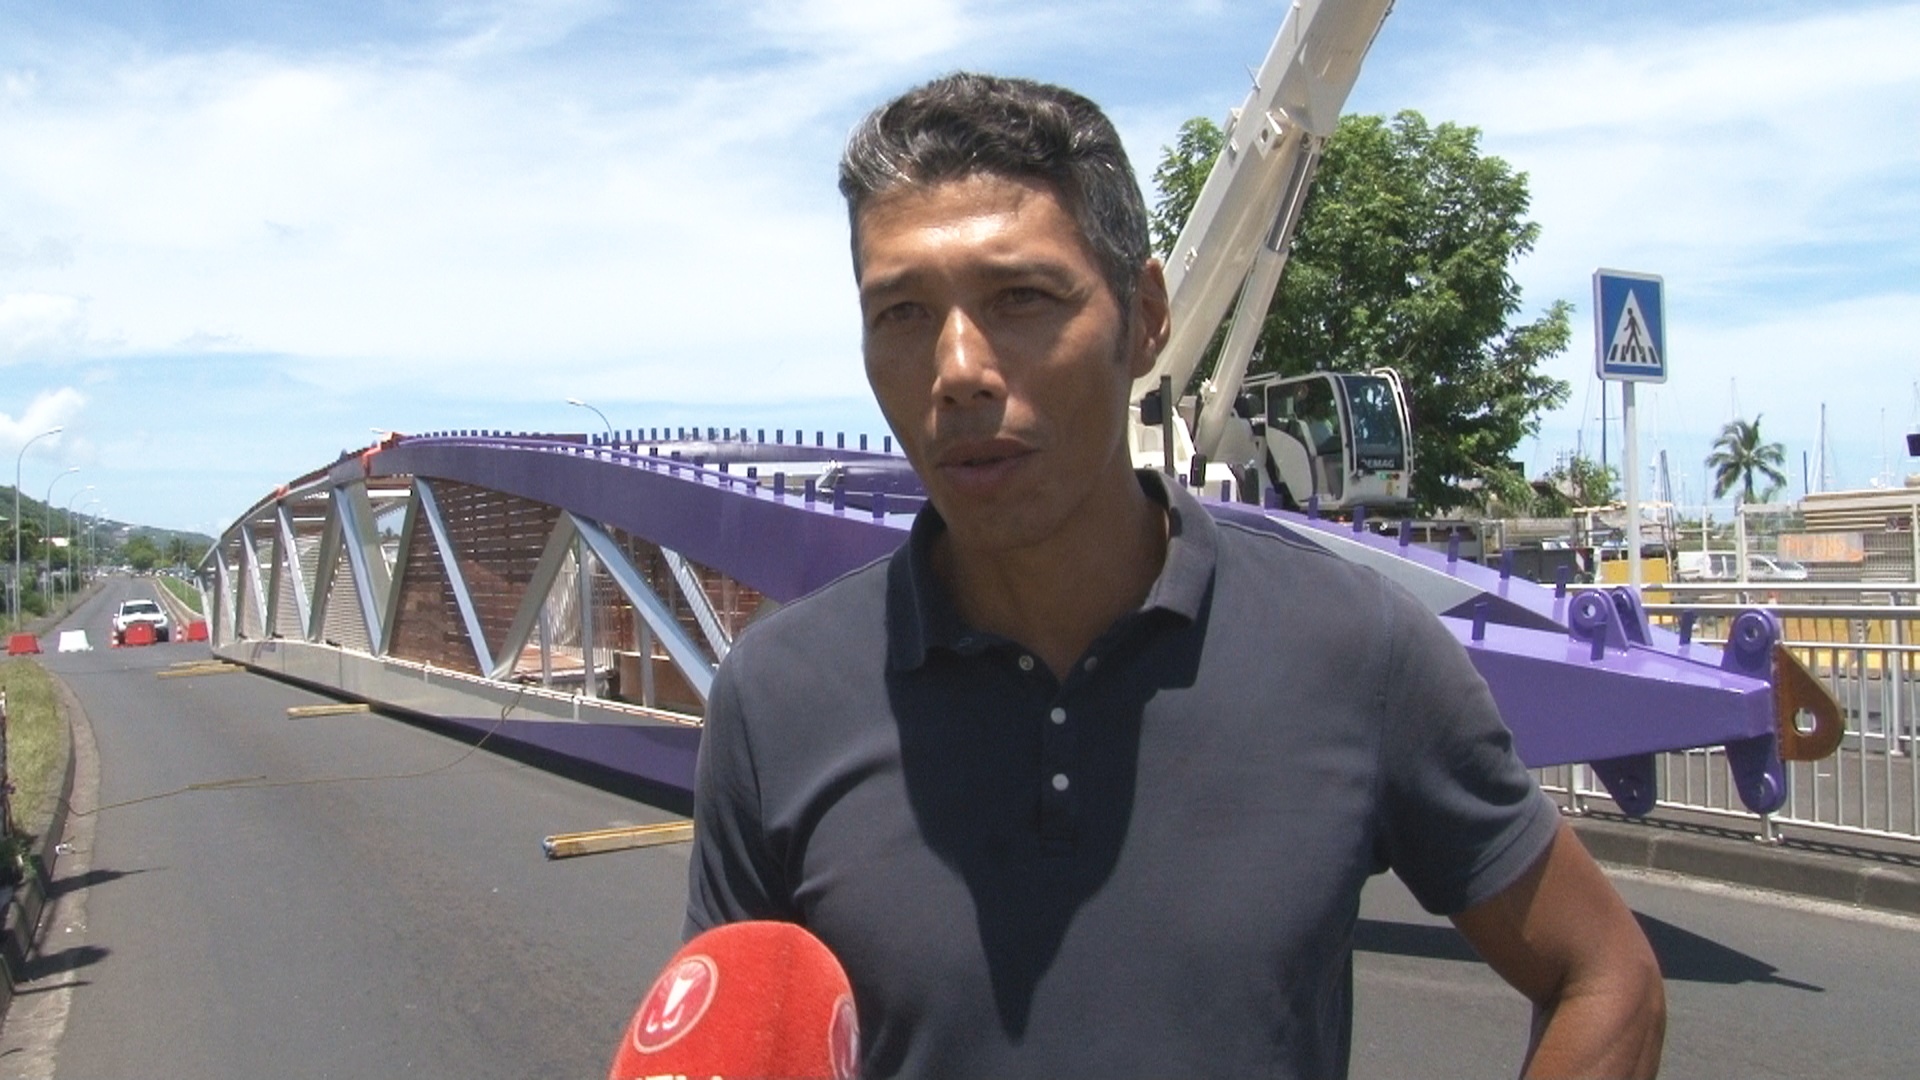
(338,708)
(197,667)
(568,845)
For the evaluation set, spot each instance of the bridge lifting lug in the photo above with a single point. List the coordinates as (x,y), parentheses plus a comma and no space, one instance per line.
(1756,648)
(1603,620)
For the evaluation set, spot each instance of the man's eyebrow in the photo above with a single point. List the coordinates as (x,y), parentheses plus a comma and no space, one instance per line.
(995,271)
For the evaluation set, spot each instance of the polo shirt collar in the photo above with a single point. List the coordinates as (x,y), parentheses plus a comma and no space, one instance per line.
(922,616)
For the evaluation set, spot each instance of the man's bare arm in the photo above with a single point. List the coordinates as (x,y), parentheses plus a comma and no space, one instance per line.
(1563,937)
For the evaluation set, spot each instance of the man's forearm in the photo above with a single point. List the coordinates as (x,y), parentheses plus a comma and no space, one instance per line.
(1563,937)
(1613,1030)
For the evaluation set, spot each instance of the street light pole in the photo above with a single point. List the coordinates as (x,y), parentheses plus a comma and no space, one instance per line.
(93,537)
(16,516)
(46,524)
(596,412)
(88,565)
(70,551)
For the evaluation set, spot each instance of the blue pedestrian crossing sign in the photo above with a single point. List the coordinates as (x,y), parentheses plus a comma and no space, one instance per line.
(1629,326)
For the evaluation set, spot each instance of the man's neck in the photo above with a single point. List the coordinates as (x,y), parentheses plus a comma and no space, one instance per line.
(1057,597)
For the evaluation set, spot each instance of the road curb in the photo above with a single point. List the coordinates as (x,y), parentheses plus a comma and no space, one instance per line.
(1862,878)
(26,903)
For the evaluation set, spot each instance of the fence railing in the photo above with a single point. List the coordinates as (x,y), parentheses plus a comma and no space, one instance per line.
(1868,655)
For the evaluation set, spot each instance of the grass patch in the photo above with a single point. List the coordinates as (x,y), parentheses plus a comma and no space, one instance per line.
(182,592)
(36,742)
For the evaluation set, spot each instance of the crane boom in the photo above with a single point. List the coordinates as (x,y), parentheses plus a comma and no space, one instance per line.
(1235,241)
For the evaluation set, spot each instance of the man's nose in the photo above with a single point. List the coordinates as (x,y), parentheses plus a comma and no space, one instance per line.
(966,369)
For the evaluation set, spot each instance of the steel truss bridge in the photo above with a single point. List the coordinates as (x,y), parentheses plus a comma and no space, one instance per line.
(575,594)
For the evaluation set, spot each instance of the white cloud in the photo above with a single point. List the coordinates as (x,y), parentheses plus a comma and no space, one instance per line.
(36,325)
(56,408)
(532,200)
(865,31)
(1704,152)
(1765,168)
(508,26)
(1854,356)
(354,214)
(41,251)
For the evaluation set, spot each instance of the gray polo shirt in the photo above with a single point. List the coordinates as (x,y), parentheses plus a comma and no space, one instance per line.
(1151,868)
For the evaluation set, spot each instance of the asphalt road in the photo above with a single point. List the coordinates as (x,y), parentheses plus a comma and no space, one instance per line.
(354,896)
(342,896)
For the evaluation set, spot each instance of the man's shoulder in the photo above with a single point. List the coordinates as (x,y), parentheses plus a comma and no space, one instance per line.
(846,608)
(1286,559)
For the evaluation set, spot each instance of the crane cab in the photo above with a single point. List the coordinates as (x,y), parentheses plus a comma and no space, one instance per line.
(1342,437)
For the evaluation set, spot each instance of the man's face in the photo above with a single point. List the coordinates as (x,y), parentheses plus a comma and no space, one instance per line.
(999,355)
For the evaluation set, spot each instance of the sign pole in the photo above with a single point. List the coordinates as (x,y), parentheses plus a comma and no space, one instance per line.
(1630,345)
(1630,462)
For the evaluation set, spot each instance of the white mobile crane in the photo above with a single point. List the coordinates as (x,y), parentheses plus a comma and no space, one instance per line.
(1341,440)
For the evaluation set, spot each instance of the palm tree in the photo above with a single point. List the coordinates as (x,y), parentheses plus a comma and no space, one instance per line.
(1739,457)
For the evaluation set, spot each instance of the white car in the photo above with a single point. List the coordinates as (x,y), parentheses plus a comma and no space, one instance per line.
(140,611)
(1774,568)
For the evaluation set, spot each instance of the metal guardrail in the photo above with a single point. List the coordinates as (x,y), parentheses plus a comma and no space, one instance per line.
(1867,656)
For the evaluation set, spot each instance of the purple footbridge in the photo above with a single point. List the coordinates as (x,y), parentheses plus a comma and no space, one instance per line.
(1580,676)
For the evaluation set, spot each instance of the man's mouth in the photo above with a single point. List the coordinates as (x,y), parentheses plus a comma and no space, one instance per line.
(983,454)
(982,466)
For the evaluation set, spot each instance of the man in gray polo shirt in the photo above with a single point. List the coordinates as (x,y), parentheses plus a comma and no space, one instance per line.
(1081,781)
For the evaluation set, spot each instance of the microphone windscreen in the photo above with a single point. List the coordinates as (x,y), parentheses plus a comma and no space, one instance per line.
(745,1001)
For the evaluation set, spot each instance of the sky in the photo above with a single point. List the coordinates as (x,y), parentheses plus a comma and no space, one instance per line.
(237,237)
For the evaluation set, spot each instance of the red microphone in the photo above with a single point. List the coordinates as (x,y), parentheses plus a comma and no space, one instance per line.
(745,1001)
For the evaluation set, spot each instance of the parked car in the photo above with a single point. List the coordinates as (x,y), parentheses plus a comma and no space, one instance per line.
(1774,568)
(1725,566)
(140,611)
(1707,566)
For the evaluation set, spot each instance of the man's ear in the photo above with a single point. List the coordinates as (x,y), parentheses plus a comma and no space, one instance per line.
(1152,320)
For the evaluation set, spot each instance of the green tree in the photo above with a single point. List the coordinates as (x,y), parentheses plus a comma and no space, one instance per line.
(179,551)
(1740,455)
(1402,260)
(1181,174)
(140,553)
(1578,481)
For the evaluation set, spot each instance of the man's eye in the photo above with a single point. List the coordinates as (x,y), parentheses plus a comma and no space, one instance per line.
(1023,297)
(894,314)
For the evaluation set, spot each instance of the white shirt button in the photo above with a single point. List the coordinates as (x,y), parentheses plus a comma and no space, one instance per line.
(1026,663)
(1058,715)
(1059,781)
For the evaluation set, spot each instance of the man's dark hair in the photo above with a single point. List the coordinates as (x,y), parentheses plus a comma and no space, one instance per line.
(964,124)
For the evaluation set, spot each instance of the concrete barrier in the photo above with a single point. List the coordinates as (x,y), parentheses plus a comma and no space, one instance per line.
(74,641)
(22,645)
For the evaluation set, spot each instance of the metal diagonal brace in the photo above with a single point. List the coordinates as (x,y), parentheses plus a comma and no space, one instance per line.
(226,613)
(326,569)
(698,602)
(290,553)
(686,656)
(362,545)
(533,602)
(429,507)
(250,561)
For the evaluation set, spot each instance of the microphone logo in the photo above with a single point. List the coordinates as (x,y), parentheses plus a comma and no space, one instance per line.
(843,1039)
(676,1003)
